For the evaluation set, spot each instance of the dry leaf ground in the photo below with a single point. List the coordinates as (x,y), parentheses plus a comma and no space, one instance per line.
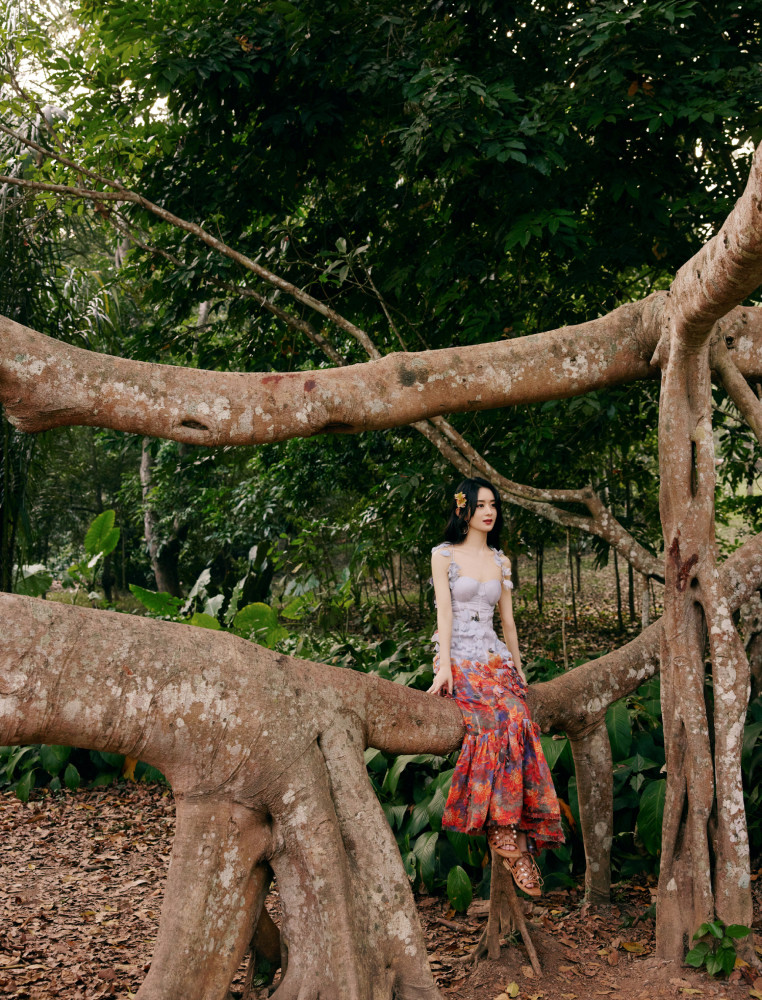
(81,883)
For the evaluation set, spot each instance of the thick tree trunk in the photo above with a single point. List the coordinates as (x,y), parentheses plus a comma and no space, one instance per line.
(705,851)
(264,753)
(265,756)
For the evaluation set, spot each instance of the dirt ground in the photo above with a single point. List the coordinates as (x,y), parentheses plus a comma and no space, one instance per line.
(81,884)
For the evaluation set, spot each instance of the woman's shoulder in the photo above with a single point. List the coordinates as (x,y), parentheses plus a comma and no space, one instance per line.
(443,549)
(504,563)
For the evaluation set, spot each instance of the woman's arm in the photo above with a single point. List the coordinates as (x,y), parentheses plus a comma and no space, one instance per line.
(439,574)
(509,626)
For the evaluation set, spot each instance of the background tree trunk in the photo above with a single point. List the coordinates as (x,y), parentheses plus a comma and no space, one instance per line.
(163,554)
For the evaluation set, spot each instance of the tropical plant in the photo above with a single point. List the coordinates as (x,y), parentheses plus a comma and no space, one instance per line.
(716,948)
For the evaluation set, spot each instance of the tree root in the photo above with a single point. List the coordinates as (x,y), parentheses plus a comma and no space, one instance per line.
(506,915)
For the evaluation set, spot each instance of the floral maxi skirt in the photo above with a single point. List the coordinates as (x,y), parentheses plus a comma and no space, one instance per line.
(502,777)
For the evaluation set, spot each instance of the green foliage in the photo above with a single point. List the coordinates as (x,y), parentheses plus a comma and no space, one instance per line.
(33,581)
(100,541)
(25,768)
(459,890)
(717,952)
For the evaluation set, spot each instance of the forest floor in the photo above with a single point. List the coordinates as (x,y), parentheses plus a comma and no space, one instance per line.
(82,877)
(81,885)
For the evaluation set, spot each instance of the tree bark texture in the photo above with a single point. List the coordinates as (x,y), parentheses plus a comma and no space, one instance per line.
(46,383)
(704,819)
(265,757)
(264,753)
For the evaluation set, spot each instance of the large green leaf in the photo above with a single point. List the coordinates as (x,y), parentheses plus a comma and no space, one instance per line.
(53,758)
(620,730)
(393,774)
(72,779)
(157,602)
(33,581)
(375,760)
(102,536)
(255,620)
(24,786)
(650,815)
(425,851)
(203,620)
(638,763)
(459,890)
(468,849)
(395,814)
(552,749)
(737,931)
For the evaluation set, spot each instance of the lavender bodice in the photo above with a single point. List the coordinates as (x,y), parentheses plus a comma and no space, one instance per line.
(473,608)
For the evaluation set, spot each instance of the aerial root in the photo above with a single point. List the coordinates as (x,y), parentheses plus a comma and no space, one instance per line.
(506,915)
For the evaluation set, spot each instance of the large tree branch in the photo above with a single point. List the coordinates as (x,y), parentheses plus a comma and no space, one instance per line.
(726,269)
(45,383)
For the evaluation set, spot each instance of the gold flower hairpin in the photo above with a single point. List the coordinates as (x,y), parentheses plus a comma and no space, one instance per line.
(460,502)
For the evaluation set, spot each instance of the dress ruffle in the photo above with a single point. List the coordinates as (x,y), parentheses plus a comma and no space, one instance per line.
(501,776)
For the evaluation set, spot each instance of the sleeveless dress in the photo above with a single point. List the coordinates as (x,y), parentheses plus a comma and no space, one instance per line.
(501,777)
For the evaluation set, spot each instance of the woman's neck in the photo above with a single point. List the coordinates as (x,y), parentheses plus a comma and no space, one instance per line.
(475,541)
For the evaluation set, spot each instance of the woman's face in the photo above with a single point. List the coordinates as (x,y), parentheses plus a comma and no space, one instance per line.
(485,515)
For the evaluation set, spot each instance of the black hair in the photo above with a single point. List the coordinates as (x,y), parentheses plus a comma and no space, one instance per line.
(457,525)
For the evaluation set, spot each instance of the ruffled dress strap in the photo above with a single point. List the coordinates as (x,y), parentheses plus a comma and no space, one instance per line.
(504,563)
(453,570)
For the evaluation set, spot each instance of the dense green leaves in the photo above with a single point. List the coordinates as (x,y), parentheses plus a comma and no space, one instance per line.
(718,952)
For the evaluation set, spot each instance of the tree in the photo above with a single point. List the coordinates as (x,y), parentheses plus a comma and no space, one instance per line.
(694,327)
(44,382)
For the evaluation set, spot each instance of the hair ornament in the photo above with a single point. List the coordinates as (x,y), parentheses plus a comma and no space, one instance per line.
(460,502)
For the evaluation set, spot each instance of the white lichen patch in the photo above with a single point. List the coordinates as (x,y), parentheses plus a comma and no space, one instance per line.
(227,872)
(575,367)
(221,408)
(401,928)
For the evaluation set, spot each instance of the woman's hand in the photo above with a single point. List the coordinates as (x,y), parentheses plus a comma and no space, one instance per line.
(442,682)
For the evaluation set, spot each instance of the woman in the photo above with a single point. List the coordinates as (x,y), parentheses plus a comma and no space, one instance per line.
(502,783)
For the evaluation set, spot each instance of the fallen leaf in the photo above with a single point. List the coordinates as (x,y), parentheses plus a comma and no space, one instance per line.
(613,958)
(527,971)
(635,947)
(512,989)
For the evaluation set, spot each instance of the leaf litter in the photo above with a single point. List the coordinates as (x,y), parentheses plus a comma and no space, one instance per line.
(82,879)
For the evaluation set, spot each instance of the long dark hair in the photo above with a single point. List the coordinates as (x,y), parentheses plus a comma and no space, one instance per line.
(457,526)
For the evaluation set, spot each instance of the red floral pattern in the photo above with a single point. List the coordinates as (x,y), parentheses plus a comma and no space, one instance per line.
(502,776)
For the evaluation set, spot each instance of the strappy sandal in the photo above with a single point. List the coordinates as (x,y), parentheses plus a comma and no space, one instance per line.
(504,840)
(525,873)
